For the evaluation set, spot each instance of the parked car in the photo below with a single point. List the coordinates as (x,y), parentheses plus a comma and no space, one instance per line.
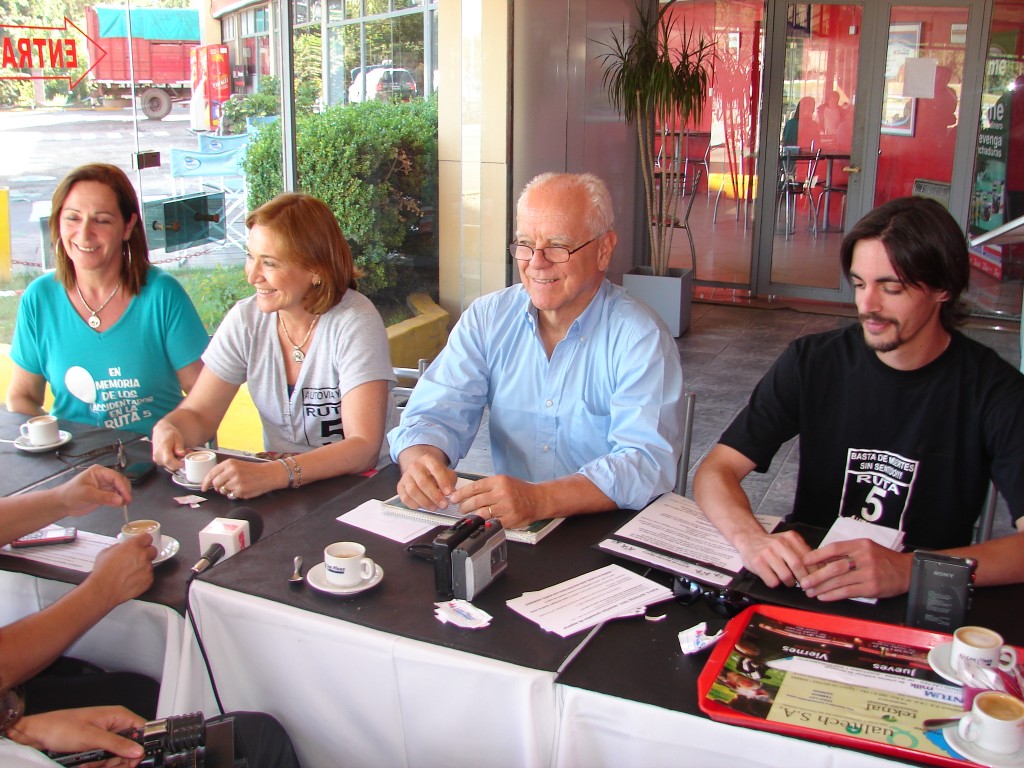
(383,84)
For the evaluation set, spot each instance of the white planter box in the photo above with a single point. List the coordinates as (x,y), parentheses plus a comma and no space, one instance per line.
(670,296)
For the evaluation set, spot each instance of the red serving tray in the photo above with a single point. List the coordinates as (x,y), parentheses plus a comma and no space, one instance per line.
(825,622)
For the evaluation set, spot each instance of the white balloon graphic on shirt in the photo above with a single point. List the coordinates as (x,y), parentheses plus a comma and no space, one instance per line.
(80,384)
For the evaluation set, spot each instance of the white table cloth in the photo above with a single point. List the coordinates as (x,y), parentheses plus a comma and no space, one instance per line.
(353,696)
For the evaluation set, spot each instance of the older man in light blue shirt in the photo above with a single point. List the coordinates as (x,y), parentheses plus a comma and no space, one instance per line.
(583,382)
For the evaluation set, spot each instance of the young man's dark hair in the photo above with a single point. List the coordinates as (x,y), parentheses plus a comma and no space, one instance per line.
(925,245)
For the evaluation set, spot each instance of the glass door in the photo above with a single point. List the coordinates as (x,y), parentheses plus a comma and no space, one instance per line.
(804,208)
(867,102)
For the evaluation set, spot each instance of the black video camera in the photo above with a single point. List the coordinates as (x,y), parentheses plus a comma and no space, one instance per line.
(468,556)
(174,742)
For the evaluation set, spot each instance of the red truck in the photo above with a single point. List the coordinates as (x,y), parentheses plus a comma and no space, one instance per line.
(161,43)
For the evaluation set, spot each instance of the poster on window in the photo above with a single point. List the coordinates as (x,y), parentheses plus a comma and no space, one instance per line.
(899,110)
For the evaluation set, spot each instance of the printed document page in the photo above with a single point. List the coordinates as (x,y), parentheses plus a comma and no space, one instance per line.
(579,603)
(673,528)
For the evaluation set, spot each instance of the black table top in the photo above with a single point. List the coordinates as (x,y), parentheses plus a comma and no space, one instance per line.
(155,497)
(403,603)
(23,469)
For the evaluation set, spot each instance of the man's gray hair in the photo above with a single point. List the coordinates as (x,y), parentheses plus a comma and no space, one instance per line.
(600,217)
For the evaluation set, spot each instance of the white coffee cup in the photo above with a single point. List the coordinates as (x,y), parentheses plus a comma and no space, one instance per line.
(346,564)
(981,645)
(198,465)
(135,528)
(41,430)
(995,723)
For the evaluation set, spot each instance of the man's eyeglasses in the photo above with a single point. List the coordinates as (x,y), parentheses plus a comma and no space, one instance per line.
(724,602)
(83,460)
(556,254)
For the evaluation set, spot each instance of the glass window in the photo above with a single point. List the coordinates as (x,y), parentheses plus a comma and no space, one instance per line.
(998,192)
(346,148)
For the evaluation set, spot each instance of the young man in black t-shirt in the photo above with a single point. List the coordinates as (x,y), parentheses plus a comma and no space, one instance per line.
(902,421)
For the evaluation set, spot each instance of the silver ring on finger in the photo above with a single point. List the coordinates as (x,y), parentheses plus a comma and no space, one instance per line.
(231,495)
(852,562)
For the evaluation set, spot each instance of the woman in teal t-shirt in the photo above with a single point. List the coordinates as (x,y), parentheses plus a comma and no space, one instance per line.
(117,339)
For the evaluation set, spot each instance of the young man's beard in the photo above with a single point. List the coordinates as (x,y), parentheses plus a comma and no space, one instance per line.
(874,343)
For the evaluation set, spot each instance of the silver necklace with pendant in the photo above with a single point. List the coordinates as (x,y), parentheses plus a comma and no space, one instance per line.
(94,319)
(297,354)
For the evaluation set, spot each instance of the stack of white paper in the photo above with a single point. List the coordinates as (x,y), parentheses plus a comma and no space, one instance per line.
(608,593)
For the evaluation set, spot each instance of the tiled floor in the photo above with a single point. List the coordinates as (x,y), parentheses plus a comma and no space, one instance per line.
(724,354)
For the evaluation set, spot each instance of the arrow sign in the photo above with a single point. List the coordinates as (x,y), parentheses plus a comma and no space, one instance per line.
(36,48)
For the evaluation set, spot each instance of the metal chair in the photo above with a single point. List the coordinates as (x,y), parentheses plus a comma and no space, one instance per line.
(408,373)
(983,528)
(684,223)
(716,140)
(683,468)
(792,188)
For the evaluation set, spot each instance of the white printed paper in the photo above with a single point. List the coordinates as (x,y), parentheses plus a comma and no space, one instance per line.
(675,525)
(78,555)
(579,603)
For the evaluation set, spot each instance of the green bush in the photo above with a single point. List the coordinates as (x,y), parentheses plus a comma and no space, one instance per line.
(15,93)
(213,291)
(266,101)
(375,165)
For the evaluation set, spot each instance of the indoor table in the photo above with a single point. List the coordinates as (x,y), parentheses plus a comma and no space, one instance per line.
(22,469)
(830,156)
(374,678)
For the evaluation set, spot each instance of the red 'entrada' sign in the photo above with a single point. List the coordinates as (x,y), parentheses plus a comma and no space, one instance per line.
(25,48)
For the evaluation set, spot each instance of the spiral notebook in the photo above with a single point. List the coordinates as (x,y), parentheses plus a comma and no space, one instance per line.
(531,534)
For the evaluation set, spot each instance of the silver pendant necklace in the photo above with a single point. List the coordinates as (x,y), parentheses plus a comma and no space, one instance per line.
(297,354)
(94,320)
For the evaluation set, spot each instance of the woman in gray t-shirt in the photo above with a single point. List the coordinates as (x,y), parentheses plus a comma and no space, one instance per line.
(313,351)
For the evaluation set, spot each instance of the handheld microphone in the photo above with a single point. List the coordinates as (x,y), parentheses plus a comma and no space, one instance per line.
(225,536)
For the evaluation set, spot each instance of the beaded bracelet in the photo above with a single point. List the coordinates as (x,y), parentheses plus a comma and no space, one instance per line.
(288,469)
(298,471)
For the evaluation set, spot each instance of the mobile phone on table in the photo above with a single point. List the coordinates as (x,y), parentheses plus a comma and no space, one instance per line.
(941,588)
(46,536)
(138,471)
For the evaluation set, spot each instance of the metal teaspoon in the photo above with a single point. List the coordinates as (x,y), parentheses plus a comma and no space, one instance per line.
(296,577)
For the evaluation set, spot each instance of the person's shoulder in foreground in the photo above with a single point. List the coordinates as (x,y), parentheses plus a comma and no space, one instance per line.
(901,419)
(582,382)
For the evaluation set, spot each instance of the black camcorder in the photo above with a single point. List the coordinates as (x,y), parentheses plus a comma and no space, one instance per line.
(468,556)
(174,742)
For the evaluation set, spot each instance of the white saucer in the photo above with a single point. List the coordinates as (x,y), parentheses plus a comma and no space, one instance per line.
(317,578)
(938,660)
(976,754)
(168,548)
(180,479)
(23,444)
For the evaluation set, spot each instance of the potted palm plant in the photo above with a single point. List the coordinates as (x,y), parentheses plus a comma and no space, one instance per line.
(657,78)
